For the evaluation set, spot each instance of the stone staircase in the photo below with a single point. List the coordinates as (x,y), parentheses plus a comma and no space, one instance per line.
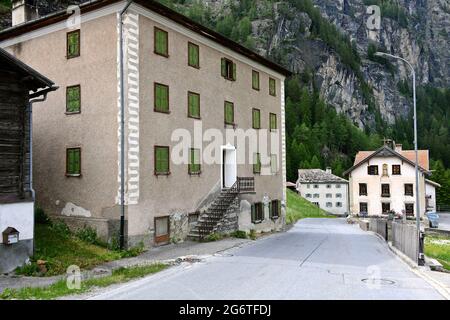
(210,219)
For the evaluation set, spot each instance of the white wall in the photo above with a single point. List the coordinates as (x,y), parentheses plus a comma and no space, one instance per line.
(19,216)
(431,191)
(322,190)
(397,199)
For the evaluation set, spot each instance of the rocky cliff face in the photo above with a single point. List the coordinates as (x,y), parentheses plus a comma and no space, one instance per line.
(419,31)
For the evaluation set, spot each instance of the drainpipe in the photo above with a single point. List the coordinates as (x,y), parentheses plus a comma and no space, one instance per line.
(39,96)
(122,131)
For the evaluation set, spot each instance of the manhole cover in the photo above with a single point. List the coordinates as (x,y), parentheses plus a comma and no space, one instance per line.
(385,282)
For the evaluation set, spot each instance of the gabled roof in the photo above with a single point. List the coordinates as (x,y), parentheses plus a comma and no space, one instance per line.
(318,176)
(33,79)
(155,7)
(406,155)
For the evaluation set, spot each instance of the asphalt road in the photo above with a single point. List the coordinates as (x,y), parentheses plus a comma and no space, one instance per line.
(316,259)
(444,221)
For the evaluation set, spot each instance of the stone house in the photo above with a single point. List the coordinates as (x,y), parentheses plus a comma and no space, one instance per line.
(177,81)
(384,180)
(20,87)
(326,190)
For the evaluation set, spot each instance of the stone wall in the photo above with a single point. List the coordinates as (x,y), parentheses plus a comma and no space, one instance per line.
(229,222)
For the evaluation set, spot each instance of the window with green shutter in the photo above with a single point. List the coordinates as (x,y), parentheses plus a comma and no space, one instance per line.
(257,212)
(193,55)
(193,105)
(194,166)
(161,98)
(275,209)
(256,119)
(255,80)
(73,162)
(273,121)
(256,163)
(73,99)
(229,113)
(161,42)
(162,166)
(73,44)
(228,69)
(272,87)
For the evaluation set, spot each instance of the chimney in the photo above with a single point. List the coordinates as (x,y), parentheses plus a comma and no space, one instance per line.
(398,148)
(23,11)
(329,170)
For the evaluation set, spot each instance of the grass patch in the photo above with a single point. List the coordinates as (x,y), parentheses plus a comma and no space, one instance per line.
(56,245)
(438,247)
(60,289)
(300,208)
(239,234)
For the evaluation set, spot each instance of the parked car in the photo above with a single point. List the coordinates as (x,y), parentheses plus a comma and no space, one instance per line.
(433,219)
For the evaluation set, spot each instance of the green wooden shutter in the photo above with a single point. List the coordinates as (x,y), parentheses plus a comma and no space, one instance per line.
(77,161)
(73,44)
(272,87)
(162,160)
(256,119)
(161,98)
(253,213)
(234,71)
(193,52)
(273,121)
(255,80)
(73,99)
(224,67)
(229,113)
(256,163)
(194,105)
(161,39)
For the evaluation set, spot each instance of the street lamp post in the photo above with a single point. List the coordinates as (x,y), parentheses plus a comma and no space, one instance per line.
(383,54)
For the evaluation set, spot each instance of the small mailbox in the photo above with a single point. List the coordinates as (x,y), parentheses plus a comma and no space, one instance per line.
(10,236)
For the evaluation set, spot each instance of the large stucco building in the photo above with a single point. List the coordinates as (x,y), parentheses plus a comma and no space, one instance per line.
(382,181)
(179,79)
(324,189)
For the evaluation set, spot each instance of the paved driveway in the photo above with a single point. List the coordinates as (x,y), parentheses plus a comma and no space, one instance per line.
(316,259)
(444,220)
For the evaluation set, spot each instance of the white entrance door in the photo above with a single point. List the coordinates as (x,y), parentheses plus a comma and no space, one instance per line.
(229,166)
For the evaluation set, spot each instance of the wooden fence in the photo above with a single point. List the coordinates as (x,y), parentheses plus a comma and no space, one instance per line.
(405,238)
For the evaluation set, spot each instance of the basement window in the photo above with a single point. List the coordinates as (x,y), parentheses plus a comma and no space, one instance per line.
(257,212)
(275,209)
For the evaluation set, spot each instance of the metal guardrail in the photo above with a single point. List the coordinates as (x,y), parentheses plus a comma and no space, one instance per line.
(246,184)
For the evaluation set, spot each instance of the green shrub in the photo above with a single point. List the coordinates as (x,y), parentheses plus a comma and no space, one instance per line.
(61,229)
(88,234)
(252,234)
(40,217)
(239,234)
(214,237)
(134,251)
(30,270)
